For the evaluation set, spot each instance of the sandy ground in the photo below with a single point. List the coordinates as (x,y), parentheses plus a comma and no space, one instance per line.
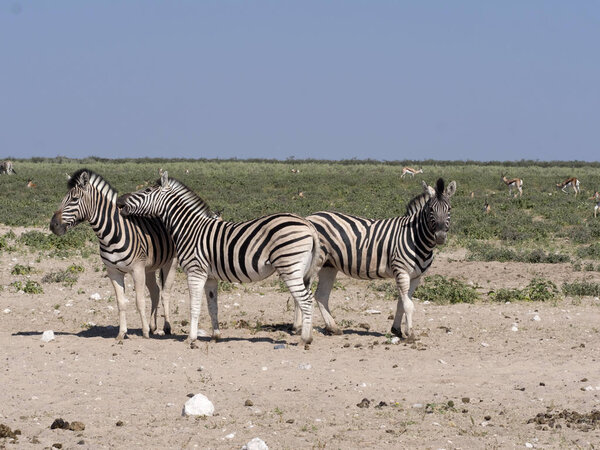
(469,381)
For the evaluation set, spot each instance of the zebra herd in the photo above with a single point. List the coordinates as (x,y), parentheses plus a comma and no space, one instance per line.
(151,229)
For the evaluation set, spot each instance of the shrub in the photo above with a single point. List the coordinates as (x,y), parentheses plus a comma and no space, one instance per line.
(29,287)
(66,277)
(442,290)
(21,270)
(478,251)
(387,288)
(538,290)
(592,251)
(581,289)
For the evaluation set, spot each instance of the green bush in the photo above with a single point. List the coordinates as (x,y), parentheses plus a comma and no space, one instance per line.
(581,289)
(387,288)
(29,287)
(66,277)
(479,251)
(21,270)
(538,290)
(443,290)
(592,251)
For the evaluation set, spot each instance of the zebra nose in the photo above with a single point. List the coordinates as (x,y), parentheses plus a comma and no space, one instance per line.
(440,237)
(56,225)
(122,200)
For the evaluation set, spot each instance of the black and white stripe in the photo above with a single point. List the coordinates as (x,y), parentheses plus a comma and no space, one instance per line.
(136,245)
(210,249)
(400,248)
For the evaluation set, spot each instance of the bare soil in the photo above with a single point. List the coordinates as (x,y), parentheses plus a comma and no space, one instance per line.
(468,381)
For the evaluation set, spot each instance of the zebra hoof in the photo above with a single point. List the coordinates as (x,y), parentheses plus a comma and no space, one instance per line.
(159,333)
(334,331)
(397,332)
(167,328)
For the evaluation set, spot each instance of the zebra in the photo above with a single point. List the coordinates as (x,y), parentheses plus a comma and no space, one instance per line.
(135,245)
(211,249)
(400,248)
(7,168)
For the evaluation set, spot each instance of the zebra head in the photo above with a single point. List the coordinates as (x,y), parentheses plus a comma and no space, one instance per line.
(75,206)
(438,210)
(147,202)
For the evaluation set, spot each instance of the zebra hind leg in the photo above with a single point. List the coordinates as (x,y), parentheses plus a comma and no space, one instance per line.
(211,290)
(167,277)
(139,281)
(326,279)
(196,282)
(155,299)
(303,299)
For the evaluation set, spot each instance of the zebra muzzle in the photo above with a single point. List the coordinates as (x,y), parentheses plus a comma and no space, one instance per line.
(440,237)
(122,204)
(57,226)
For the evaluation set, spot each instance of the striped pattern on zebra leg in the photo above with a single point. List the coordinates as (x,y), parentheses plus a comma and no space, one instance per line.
(209,248)
(138,246)
(400,247)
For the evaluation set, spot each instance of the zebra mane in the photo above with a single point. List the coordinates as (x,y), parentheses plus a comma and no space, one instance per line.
(417,203)
(96,180)
(189,196)
(439,188)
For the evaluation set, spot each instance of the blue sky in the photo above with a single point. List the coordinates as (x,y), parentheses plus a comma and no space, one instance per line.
(387,80)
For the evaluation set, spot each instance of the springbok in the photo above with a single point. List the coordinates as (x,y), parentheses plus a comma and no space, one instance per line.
(514,182)
(573,182)
(410,171)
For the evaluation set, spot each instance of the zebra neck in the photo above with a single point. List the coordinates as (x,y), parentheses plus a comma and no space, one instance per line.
(427,235)
(106,222)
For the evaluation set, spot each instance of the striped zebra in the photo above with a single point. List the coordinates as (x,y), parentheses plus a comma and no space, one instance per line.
(211,249)
(135,245)
(400,248)
(7,168)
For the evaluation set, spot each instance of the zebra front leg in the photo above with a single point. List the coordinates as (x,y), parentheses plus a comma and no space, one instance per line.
(167,277)
(118,281)
(155,299)
(139,282)
(211,290)
(405,306)
(326,279)
(196,282)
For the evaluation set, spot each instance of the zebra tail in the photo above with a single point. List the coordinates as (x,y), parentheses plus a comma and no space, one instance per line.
(318,257)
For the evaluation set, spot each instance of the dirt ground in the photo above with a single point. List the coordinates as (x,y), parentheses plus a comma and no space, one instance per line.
(469,381)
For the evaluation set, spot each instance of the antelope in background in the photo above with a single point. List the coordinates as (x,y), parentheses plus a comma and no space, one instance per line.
(573,182)
(410,171)
(7,168)
(514,183)
(596,198)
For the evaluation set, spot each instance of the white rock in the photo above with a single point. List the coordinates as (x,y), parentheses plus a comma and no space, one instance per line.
(304,366)
(48,336)
(7,310)
(515,328)
(417,405)
(395,340)
(536,318)
(441,361)
(256,444)
(198,405)
(485,344)
(529,444)
(230,436)
(95,296)
(373,311)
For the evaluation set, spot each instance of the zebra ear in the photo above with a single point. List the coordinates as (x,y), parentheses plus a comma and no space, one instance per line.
(164,179)
(451,189)
(84,179)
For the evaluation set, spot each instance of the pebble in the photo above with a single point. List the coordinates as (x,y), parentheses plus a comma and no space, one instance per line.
(536,318)
(7,310)
(395,340)
(198,405)
(248,403)
(304,366)
(485,344)
(279,346)
(48,336)
(373,311)
(514,327)
(95,296)
(256,444)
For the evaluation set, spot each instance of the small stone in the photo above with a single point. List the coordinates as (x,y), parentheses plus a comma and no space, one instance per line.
(256,444)
(395,340)
(119,423)
(466,400)
(279,346)
(373,311)
(248,403)
(198,405)
(59,423)
(48,336)
(364,326)
(289,421)
(95,296)
(536,318)
(488,418)
(450,404)
(77,426)
(364,403)
(81,442)
(304,366)
(583,380)
(57,445)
